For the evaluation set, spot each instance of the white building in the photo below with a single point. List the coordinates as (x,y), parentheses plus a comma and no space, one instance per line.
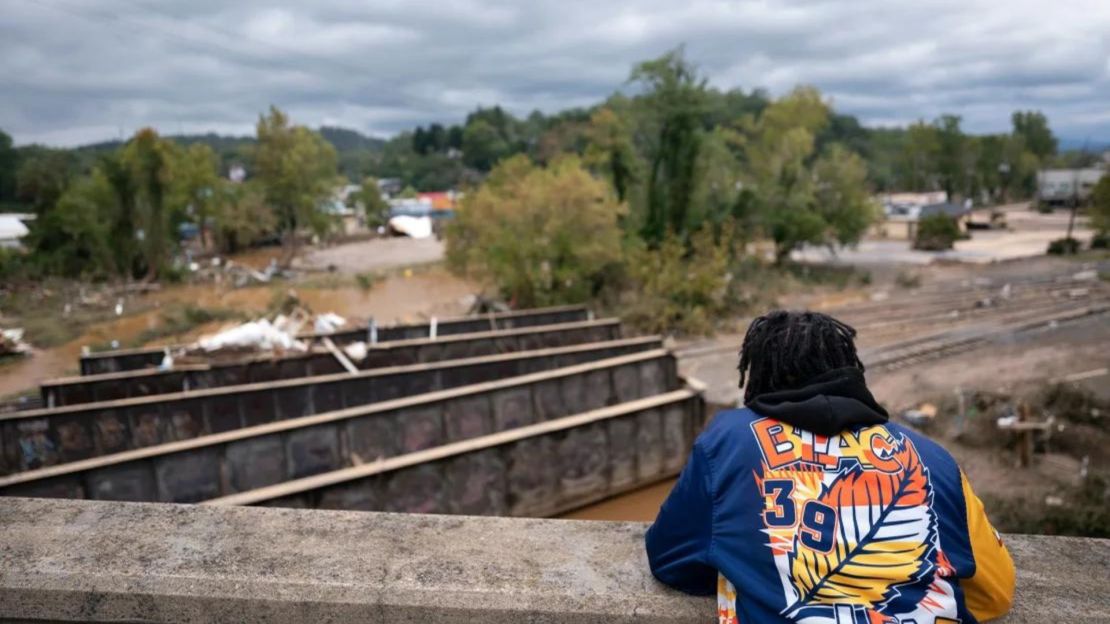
(1065,186)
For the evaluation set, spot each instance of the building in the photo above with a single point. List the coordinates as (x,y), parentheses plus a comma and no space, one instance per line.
(1065,187)
(900,222)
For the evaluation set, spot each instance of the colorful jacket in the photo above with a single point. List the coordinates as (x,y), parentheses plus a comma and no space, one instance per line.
(863,523)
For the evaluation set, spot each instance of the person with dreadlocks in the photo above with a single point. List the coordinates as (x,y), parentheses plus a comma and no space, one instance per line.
(809,506)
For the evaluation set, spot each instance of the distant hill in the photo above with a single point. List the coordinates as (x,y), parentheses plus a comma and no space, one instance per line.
(343,139)
(1091,145)
(346,140)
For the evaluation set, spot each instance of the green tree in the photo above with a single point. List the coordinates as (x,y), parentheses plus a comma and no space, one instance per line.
(43,176)
(919,157)
(675,99)
(241,216)
(150,160)
(953,157)
(369,199)
(483,145)
(297,170)
(71,238)
(9,160)
(798,197)
(1100,206)
(197,186)
(1033,127)
(543,236)
(610,151)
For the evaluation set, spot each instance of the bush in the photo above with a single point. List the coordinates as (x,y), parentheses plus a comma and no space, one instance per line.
(1100,240)
(671,289)
(936,232)
(543,236)
(1063,246)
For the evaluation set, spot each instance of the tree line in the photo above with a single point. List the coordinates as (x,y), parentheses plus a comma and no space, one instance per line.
(680,154)
(118,210)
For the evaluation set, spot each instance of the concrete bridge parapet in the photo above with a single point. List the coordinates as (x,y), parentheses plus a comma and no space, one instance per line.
(85,561)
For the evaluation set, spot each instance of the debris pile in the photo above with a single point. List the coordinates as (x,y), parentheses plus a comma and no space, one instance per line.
(11,343)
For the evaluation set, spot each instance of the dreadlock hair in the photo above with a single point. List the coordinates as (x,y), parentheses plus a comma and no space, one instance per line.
(783,350)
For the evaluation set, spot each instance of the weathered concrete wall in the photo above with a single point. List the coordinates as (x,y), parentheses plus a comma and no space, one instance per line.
(133,359)
(33,438)
(244,459)
(82,561)
(137,383)
(541,469)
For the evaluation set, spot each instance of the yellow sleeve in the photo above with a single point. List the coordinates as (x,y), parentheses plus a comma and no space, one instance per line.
(990,592)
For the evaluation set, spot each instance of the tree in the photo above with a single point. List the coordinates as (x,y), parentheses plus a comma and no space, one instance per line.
(800,198)
(43,176)
(149,160)
(543,236)
(1033,127)
(369,198)
(483,145)
(610,151)
(675,98)
(9,160)
(241,216)
(297,171)
(196,186)
(1100,206)
(953,163)
(919,157)
(842,197)
(71,238)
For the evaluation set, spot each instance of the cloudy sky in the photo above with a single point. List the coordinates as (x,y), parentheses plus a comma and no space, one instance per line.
(75,71)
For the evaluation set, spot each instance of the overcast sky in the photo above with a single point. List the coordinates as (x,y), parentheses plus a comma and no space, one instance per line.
(76,71)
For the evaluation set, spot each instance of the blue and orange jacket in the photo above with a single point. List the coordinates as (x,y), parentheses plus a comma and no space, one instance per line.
(861,522)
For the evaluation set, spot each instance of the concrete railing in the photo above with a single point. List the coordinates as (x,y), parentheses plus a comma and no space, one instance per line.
(82,561)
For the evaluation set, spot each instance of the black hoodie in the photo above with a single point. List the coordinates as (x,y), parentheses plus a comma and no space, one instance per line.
(830,403)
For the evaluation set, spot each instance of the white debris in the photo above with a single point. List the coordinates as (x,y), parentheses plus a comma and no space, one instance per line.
(328,322)
(1085,276)
(167,360)
(260,334)
(356,351)
(413,227)
(11,342)
(881,295)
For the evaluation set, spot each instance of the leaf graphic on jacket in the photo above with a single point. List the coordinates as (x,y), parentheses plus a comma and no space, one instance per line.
(883,535)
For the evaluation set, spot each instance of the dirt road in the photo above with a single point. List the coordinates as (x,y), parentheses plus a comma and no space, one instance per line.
(379,254)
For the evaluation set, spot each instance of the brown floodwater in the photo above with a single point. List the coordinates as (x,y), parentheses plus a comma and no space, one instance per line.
(640,505)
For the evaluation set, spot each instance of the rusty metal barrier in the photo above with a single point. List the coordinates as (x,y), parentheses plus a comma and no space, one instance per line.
(119,360)
(138,383)
(541,469)
(35,438)
(254,457)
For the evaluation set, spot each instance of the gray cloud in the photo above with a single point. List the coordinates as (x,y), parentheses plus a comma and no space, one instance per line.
(75,71)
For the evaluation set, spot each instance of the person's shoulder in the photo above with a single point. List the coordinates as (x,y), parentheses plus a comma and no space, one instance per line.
(727,427)
(931,451)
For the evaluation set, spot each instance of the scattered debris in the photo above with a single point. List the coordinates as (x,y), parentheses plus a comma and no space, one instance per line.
(356,351)
(11,342)
(413,227)
(923,415)
(328,322)
(1088,275)
(261,334)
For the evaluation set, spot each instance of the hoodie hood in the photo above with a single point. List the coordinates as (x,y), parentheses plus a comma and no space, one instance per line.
(828,404)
